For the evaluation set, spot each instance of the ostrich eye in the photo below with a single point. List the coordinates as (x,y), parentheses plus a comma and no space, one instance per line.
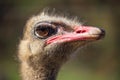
(44,30)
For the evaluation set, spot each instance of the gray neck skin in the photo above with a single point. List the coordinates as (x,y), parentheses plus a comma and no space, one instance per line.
(46,72)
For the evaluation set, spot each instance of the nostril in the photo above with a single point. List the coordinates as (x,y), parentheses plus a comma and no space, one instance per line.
(80,31)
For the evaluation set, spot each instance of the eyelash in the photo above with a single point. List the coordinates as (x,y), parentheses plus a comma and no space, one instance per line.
(44,30)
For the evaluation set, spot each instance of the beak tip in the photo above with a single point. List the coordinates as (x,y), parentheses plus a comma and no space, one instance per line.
(102,34)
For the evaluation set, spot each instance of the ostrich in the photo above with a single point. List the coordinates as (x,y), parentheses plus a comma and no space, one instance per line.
(49,41)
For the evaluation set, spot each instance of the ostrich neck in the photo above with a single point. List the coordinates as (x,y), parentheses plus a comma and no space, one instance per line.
(39,72)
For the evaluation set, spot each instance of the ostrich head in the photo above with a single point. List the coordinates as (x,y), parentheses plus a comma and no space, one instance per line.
(50,40)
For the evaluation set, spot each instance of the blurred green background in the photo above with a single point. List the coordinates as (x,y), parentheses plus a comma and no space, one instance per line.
(99,61)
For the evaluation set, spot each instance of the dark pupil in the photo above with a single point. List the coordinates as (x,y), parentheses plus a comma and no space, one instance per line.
(45,31)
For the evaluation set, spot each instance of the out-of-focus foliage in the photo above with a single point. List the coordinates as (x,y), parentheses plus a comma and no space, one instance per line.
(99,61)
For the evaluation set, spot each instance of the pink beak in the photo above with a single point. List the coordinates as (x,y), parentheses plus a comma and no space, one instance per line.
(81,33)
